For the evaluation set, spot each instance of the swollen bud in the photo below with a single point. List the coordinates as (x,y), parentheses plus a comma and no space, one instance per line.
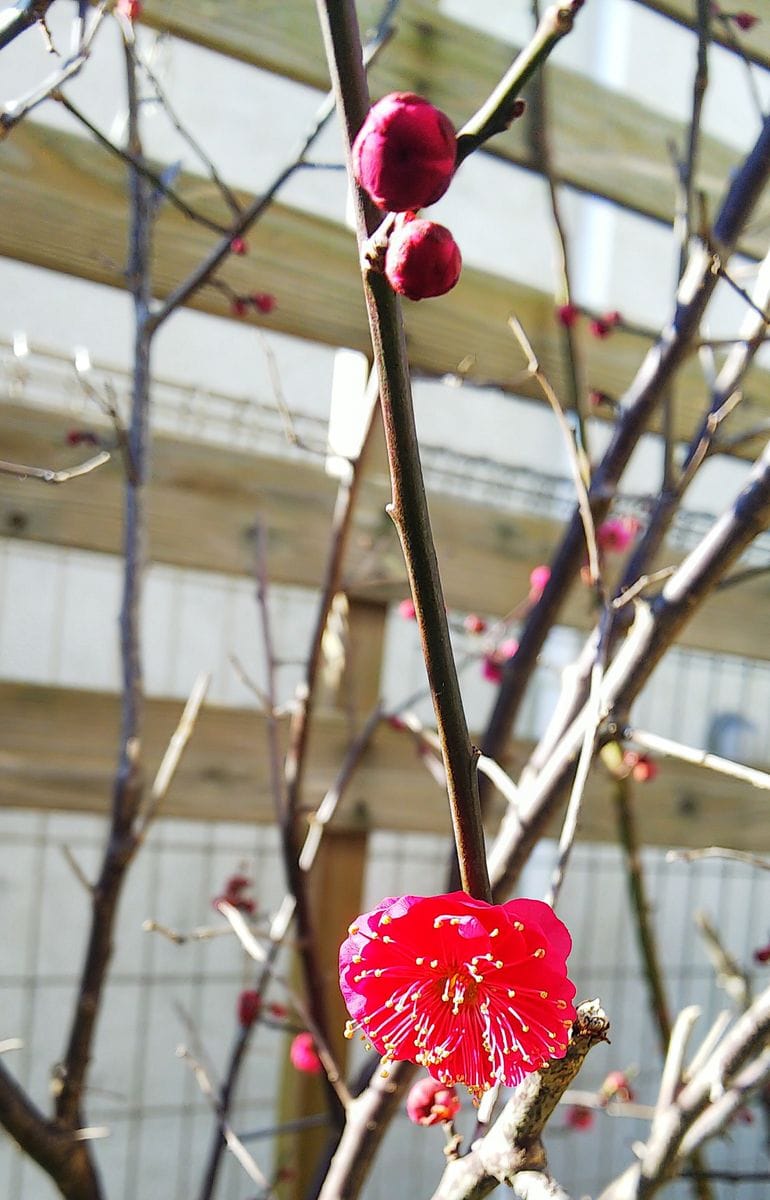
(422,258)
(405,153)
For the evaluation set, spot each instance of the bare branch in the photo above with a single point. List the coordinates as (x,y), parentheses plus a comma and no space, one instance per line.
(46,475)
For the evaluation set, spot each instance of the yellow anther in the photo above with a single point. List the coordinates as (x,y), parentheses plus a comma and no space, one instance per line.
(544,995)
(539,953)
(419,961)
(352,929)
(434,963)
(518,925)
(494,933)
(357,958)
(386,920)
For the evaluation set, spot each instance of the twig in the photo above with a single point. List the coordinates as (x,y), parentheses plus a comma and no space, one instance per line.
(701,758)
(234,1143)
(577,459)
(141,167)
(50,476)
(729,975)
(174,751)
(203,272)
(753,860)
(77,870)
(15,110)
(499,109)
(641,911)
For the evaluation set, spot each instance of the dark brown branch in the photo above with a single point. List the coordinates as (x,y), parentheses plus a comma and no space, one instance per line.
(21,17)
(127,793)
(640,909)
(409,508)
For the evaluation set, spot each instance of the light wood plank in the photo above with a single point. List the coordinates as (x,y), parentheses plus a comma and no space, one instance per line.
(204,501)
(52,182)
(754,44)
(602,142)
(46,762)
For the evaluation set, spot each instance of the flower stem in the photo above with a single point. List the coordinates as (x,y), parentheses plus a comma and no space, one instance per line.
(409,508)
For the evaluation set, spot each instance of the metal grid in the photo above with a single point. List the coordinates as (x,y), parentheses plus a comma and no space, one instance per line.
(159,1124)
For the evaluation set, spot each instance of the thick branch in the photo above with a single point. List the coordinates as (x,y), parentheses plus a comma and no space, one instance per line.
(514,1144)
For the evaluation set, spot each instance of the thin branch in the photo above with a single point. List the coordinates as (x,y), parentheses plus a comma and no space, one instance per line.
(174,751)
(234,1143)
(14,110)
(701,758)
(46,475)
(753,860)
(640,909)
(203,272)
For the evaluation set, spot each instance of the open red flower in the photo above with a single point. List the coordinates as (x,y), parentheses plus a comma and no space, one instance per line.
(475,992)
(431,1103)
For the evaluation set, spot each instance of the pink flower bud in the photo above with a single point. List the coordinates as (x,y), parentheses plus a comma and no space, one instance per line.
(567,315)
(422,258)
(430,1102)
(264,302)
(303,1054)
(405,152)
(616,534)
(238,246)
(474,623)
(492,664)
(616,1087)
(249,1006)
(279,1011)
(238,306)
(762,954)
(81,437)
(538,578)
(407,610)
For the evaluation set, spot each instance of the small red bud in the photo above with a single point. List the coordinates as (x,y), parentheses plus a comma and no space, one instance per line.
(279,1011)
(598,399)
(82,437)
(263,301)
(474,623)
(538,578)
(405,152)
(238,246)
(744,20)
(579,1117)
(613,318)
(406,609)
(762,954)
(249,1006)
(567,315)
(422,258)
(238,306)
(600,328)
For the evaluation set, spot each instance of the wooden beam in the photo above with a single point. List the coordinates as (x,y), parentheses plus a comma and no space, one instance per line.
(53,182)
(753,45)
(57,751)
(205,499)
(622,155)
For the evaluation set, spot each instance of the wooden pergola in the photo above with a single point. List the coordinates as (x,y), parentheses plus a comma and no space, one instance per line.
(204,497)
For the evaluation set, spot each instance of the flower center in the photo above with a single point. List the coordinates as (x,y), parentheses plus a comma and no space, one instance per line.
(460,988)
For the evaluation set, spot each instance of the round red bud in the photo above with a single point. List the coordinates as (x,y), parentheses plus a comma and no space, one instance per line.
(238,246)
(422,258)
(238,306)
(567,315)
(249,1006)
(473,623)
(405,152)
(745,20)
(600,328)
(264,302)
